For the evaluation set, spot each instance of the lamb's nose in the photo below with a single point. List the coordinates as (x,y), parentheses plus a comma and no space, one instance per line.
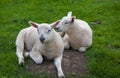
(42,39)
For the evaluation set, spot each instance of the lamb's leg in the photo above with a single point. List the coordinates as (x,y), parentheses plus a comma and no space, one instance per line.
(19,53)
(57,62)
(36,56)
(20,46)
(82,49)
(66,41)
(66,46)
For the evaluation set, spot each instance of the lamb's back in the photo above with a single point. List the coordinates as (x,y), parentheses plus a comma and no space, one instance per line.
(30,37)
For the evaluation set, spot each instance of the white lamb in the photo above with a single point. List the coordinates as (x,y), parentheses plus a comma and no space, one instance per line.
(40,39)
(78,31)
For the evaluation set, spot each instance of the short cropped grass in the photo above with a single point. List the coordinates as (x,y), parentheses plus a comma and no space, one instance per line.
(103,56)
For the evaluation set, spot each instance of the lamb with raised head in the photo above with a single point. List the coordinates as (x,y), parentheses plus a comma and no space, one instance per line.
(78,31)
(40,40)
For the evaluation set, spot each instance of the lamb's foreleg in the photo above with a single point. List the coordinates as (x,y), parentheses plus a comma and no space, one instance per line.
(36,56)
(57,62)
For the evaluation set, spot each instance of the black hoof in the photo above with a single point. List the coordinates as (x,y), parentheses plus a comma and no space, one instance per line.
(22,64)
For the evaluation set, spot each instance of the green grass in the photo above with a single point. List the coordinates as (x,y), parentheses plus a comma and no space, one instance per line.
(104,55)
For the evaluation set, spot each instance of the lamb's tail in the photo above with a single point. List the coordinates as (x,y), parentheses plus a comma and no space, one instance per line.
(20,46)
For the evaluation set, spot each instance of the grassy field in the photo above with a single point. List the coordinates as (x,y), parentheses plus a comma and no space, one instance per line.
(104,55)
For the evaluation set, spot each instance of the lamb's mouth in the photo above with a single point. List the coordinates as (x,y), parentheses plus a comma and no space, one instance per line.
(41,41)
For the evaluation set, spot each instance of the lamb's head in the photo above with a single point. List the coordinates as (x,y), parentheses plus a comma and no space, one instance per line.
(65,22)
(45,31)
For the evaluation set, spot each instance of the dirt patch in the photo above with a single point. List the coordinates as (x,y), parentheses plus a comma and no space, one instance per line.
(96,22)
(73,63)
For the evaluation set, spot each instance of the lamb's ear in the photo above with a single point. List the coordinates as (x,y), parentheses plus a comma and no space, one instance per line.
(73,19)
(69,14)
(53,25)
(33,24)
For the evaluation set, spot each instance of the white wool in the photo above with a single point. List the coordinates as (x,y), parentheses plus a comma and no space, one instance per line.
(28,40)
(79,32)
(29,37)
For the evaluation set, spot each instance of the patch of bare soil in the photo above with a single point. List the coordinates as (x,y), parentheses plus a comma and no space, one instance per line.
(73,63)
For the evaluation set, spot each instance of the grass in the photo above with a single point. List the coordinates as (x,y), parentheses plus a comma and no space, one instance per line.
(104,55)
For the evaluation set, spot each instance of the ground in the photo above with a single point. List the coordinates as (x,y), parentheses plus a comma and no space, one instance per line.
(73,63)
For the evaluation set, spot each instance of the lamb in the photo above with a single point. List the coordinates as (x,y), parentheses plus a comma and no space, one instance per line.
(78,31)
(40,40)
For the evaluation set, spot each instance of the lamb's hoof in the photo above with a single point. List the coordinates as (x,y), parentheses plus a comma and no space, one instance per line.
(21,64)
(38,61)
(82,49)
(61,76)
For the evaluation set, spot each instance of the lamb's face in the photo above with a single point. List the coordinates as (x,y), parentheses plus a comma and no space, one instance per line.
(64,24)
(45,33)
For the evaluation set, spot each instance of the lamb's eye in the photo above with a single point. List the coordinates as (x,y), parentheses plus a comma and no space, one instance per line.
(48,30)
(66,23)
(38,30)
